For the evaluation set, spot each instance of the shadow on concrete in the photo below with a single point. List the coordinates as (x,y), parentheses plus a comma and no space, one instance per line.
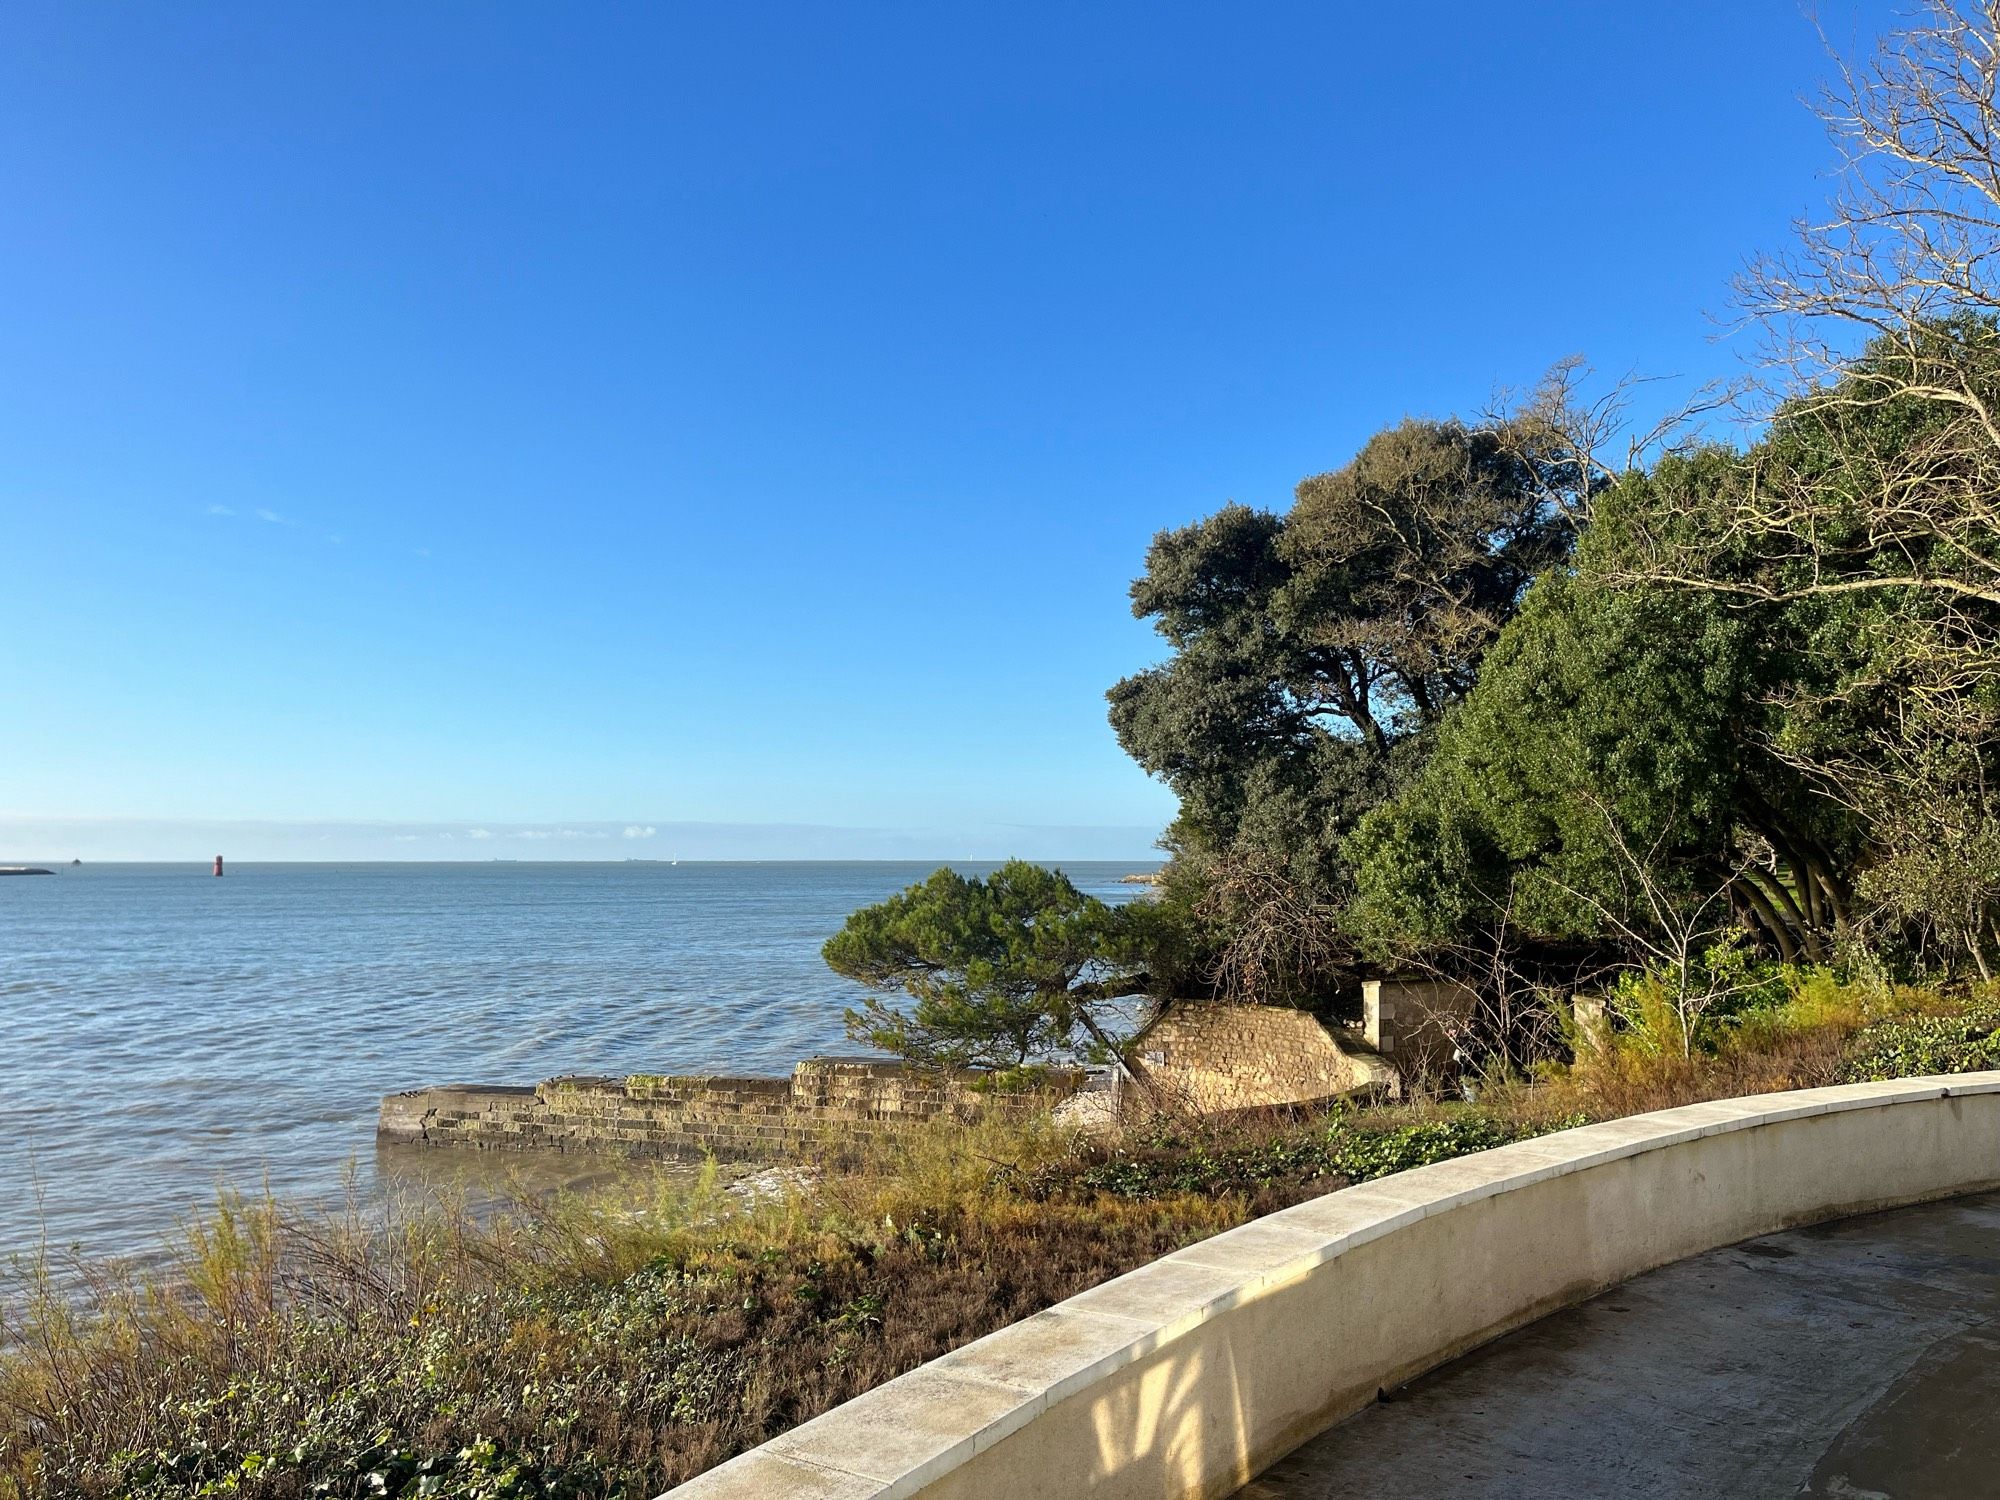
(1856,1360)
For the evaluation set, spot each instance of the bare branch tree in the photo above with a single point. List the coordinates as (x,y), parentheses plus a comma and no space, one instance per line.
(1283,939)
(1580,433)
(1887,303)
(1674,932)
(1516,1001)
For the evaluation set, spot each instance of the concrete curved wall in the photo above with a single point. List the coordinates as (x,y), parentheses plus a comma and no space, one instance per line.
(1187,1377)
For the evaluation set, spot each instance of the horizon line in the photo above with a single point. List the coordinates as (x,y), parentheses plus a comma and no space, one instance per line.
(203,861)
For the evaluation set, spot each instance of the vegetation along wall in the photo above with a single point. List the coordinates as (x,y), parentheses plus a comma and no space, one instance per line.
(1184,1379)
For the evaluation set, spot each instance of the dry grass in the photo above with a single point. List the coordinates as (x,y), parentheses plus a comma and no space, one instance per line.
(1796,1036)
(564,1349)
(606,1348)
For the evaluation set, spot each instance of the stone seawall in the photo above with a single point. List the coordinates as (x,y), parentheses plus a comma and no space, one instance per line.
(826,1102)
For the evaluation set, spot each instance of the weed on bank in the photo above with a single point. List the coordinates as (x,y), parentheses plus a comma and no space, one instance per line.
(602,1347)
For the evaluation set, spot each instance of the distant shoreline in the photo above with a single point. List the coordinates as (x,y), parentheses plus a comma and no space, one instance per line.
(1140,874)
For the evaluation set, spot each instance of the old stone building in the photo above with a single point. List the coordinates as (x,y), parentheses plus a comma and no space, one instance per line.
(1206,1057)
(1417,1024)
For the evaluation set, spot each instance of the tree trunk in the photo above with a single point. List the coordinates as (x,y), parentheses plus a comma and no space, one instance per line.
(1132,1073)
(1782,899)
(1808,889)
(1769,919)
(1975,939)
(1823,866)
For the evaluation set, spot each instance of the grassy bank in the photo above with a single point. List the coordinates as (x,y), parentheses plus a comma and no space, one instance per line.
(610,1348)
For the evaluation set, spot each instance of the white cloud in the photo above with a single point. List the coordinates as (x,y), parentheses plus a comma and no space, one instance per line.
(272,516)
(478,833)
(220,510)
(634,831)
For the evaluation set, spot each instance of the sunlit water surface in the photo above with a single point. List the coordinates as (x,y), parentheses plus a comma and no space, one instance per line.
(164,1033)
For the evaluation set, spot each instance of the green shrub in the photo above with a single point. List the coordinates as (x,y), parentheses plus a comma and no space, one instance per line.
(1166,1165)
(1299,1160)
(1362,1155)
(1919,1046)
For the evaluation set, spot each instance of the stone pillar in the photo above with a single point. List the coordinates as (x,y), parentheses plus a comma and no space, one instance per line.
(1593,1023)
(1414,1022)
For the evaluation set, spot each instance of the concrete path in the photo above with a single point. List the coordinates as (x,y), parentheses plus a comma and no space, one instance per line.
(1858,1360)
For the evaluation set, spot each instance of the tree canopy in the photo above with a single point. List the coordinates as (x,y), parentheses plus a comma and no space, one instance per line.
(1445,711)
(1761,685)
(1310,649)
(1764,734)
(1005,971)
(1486,701)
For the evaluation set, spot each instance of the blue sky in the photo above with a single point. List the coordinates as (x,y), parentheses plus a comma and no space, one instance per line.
(754,414)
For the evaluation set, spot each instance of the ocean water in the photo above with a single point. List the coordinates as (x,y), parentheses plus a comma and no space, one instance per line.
(164,1033)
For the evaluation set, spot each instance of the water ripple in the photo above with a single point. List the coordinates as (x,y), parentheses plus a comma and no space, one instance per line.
(162,1031)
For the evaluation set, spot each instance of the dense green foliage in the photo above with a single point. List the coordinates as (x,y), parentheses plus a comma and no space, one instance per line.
(1311,651)
(1647,765)
(1005,971)
(1783,749)
(1923,1045)
(1599,714)
(1347,1147)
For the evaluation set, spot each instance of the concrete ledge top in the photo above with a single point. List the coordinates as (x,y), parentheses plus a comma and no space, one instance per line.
(900,1437)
